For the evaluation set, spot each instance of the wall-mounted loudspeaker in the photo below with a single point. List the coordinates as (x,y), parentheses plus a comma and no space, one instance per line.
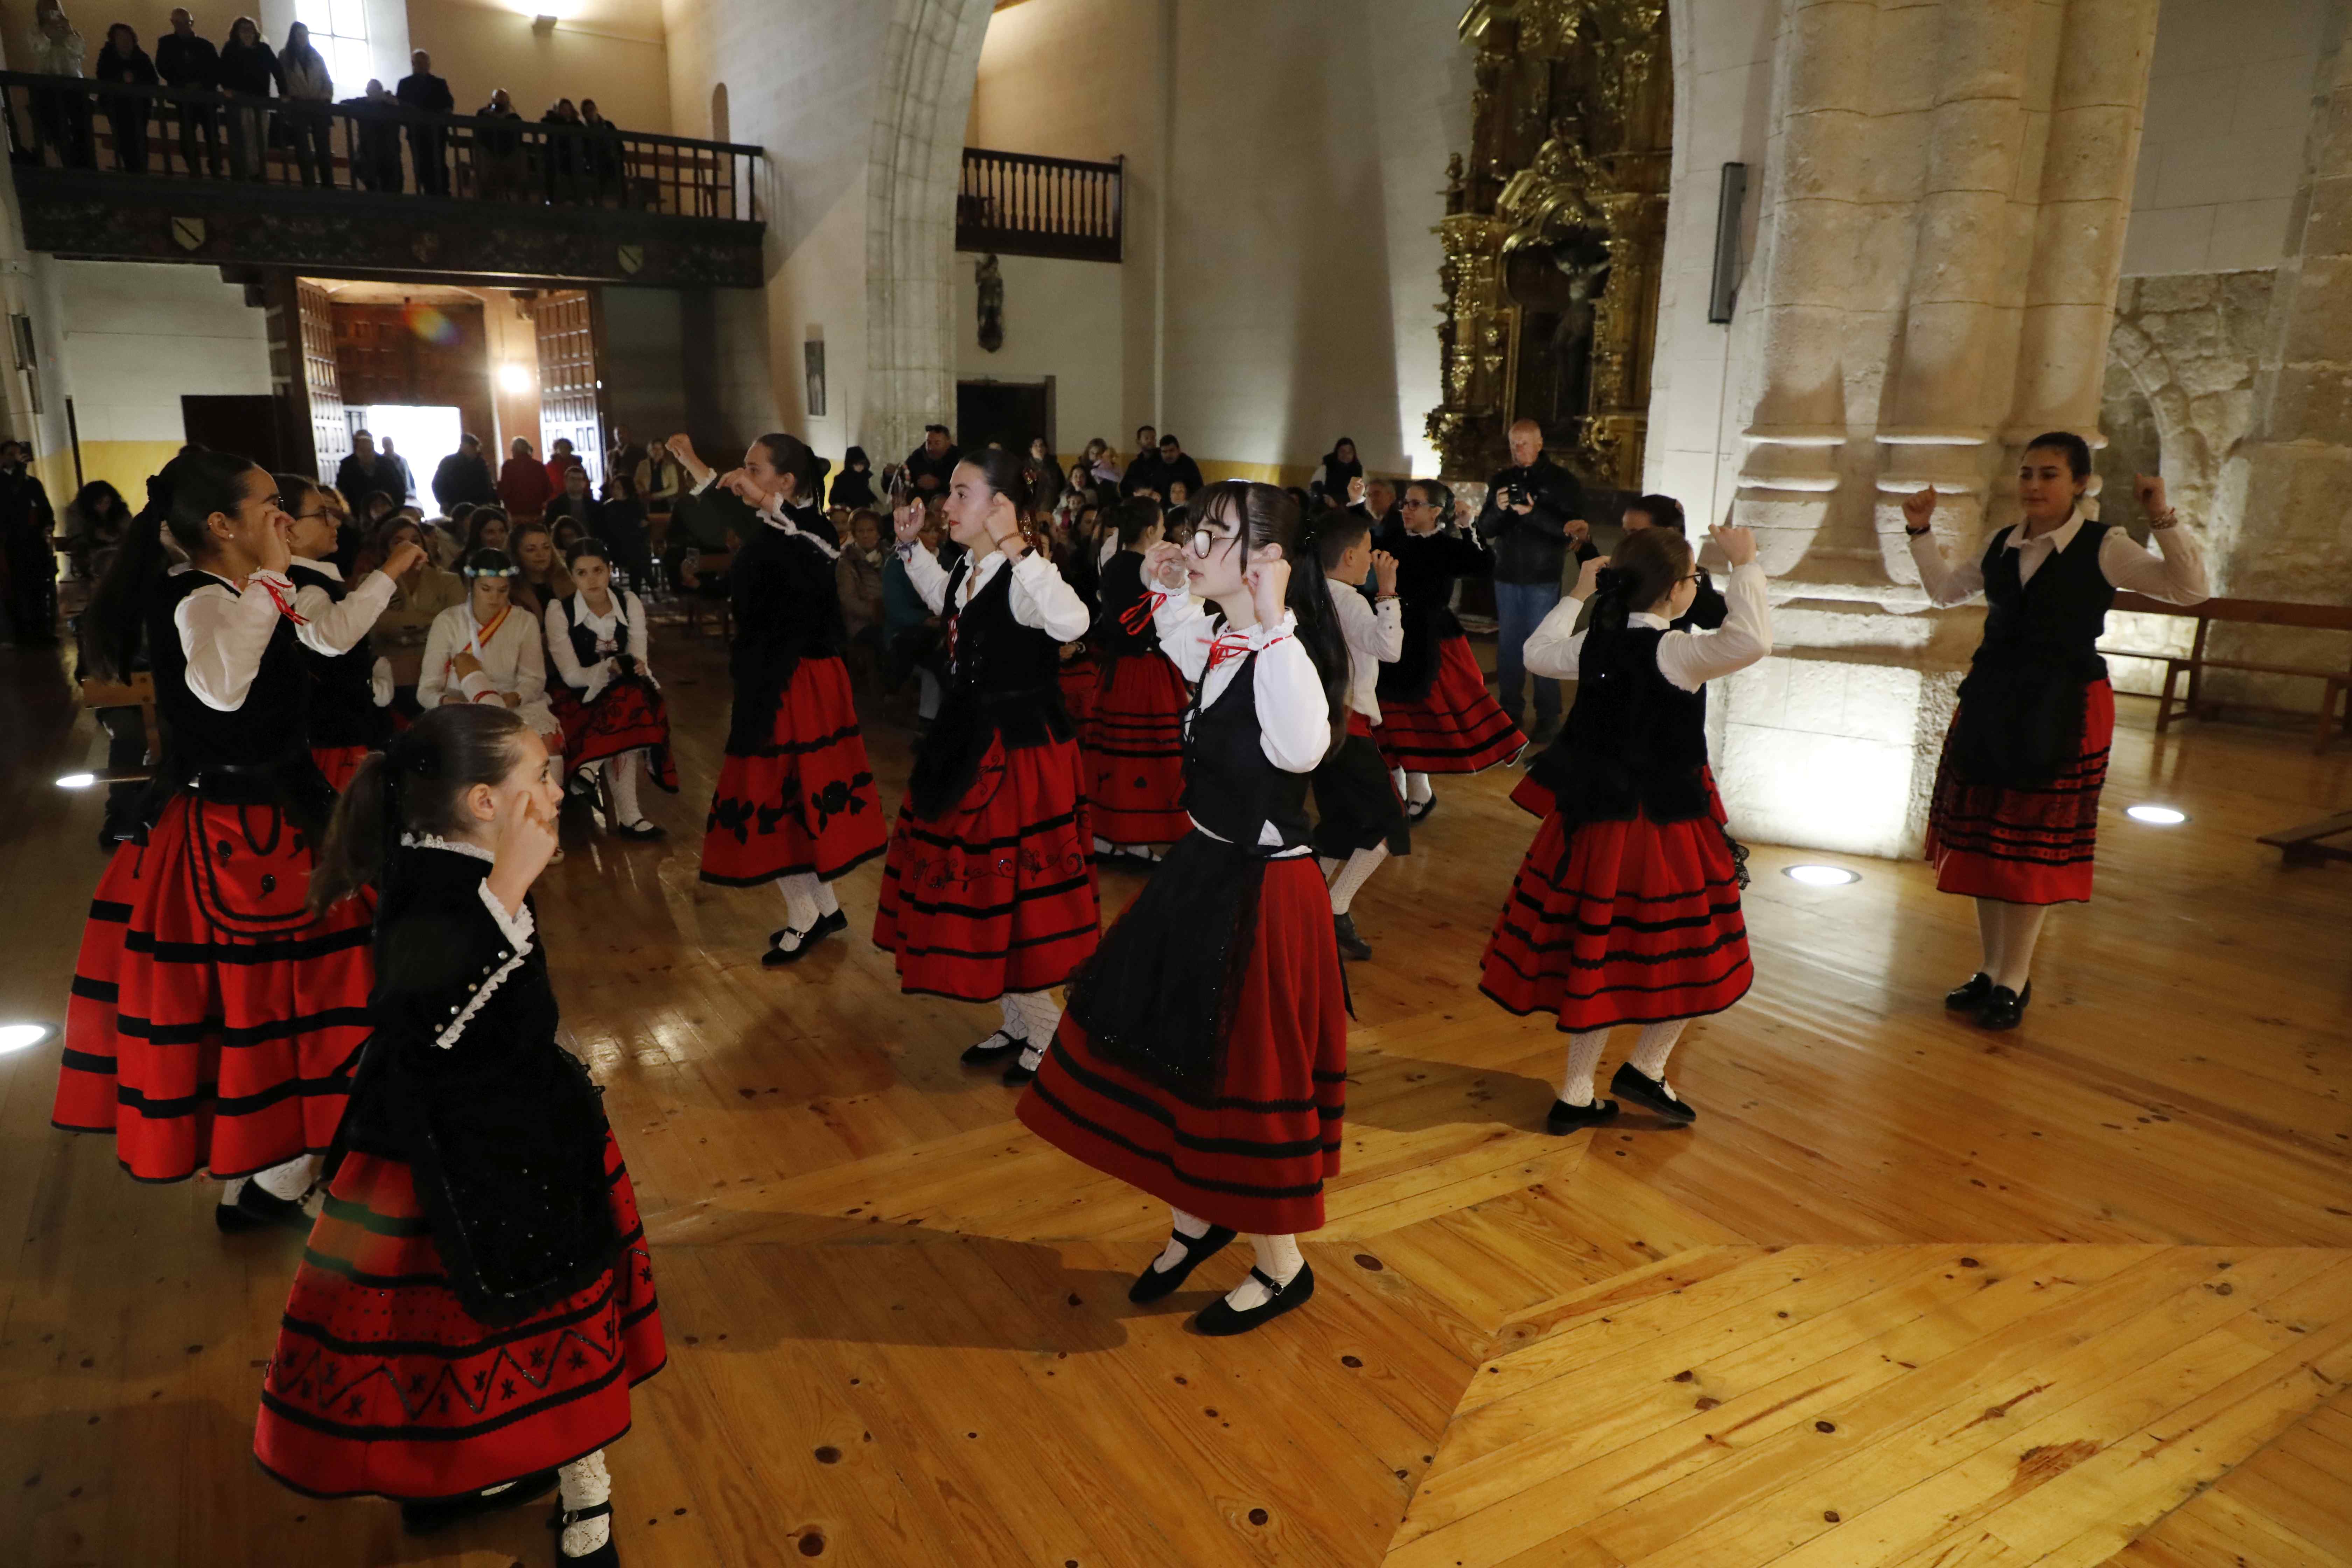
(1723,294)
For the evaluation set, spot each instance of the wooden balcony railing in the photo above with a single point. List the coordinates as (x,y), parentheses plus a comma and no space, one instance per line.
(210,155)
(1019,203)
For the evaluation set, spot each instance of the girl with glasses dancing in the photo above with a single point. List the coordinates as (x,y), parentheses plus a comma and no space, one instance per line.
(1205,1055)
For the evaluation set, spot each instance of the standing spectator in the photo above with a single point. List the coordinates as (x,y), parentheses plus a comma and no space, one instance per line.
(560,456)
(660,483)
(400,465)
(123,63)
(576,502)
(524,488)
(1530,521)
(364,472)
(605,153)
(559,158)
(462,476)
(375,138)
(854,486)
(190,63)
(27,557)
(622,457)
(62,113)
(428,143)
(1046,477)
(249,69)
(1177,467)
(930,464)
(1143,470)
(498,152)
(309,89)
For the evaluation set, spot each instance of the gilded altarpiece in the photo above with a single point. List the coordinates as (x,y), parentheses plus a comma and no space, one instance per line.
(1554,236)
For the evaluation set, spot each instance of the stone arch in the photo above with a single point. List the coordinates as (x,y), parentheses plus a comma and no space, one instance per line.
(930,62)
(2179,440)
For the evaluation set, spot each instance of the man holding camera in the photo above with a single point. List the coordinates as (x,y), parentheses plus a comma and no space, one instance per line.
(1530,522)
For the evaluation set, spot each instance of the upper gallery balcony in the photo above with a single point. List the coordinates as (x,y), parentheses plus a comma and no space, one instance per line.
(169,174)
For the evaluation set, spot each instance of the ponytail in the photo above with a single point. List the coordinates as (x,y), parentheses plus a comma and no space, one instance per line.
(1308,597)
(413,786)
(1644,569)
(353,854)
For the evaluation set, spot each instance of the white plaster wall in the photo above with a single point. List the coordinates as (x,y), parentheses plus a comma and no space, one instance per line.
(2228,101)
(138,336)
(1062,319)
(1723,97)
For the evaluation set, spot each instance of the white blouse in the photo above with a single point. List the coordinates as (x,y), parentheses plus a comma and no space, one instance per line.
(1040,598)
(1375,634)
(512,661)
(224,629)
(592,680)
(1293,717)
(2176,575)
(1687,659)
(314,604)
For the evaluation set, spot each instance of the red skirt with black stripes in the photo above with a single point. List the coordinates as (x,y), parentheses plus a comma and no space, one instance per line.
(803,802)
(213,1021)
(339,763)
(998,893)
(1134,746)
(1622,923)
(1455,728)
(2024,846)
(1255,1155)
(628,715)
(1080,676)
(382,1383)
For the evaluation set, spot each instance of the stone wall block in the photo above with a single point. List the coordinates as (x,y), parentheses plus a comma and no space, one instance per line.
(2224,417)
(2316,398)
(1830,55)
(2187,292)
(2103,53)
(2327,217)
(2059,365)
(2077,244)
(1976,146)
(1941,382)
(2090,156)
(1984,51)
(2322,327)
(2204,376)
(1964,237)
(1819,252)
(2331,131)
(1823,154)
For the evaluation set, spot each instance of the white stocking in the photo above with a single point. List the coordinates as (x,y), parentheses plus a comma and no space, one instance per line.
(1039,1018)
(624,774)
(1278,1260)
(801,913)
(585,1483)
(1650,1051)
(1989,926)
(291,1179)
(1417,789)
(2020,929)
(1359,869)
(1191,1225)
(1583,1061)
(827,903)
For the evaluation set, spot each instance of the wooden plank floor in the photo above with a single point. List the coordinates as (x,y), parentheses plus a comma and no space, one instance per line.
(1906,1295)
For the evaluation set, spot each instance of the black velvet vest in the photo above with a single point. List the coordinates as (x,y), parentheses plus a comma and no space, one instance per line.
(1230,788)
(268,731)
(2022,704)
(1635,740)
(342,710)
(1004,683)
(583,637)
(1123,595)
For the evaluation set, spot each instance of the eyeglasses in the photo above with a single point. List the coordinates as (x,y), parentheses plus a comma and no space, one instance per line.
(307,516)
(1202,540)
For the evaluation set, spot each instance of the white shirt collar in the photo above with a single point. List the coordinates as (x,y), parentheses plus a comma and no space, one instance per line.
(455,847)
(2057,540)
(1644,618)
(327,569)
(584,617)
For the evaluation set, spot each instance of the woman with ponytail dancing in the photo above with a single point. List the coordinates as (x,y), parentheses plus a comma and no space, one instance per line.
(989,891)
(213,1014)
(350,692)
(1626,910)
(795,803)
(475,1302)
(1205,1055)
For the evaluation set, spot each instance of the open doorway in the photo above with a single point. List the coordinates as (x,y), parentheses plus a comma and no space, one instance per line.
(421,434)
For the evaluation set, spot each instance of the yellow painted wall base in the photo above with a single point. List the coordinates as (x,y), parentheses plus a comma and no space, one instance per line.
(125,465)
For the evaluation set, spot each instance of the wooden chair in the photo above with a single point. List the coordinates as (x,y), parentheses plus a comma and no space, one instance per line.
(138,692)
(692,602)
(2335,685)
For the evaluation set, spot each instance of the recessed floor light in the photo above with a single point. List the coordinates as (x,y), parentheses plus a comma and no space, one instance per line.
(2161,816)
(18,1037)
(1821,876)
(76,781)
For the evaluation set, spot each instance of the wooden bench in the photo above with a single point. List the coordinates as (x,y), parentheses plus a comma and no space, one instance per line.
(2308,846)
(692,605)
(138,692)
(2335,684)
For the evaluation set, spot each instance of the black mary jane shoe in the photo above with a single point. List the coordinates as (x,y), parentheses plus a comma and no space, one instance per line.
(1350,944)
(642,831)
(1220,1321)
(1417,812)
(778,954)
(993,1049)
(1018,1075)
(1968,998)
(605,1556)
(1566,1119)
(440,1513)
(2005,1008)
(1649,1094)
(256,1208)
(828,924)
(1156,1284)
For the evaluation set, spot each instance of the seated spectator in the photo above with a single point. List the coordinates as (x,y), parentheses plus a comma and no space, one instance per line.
(487,529)
(92,527)
(1103,462)
(855,488)
(930,464)
(576,502)
(858,574)
(524,488)
(375,508)
(417,598)
(560,456)
(1047,475)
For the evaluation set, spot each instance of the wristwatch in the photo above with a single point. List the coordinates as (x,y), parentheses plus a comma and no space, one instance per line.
(1917,532)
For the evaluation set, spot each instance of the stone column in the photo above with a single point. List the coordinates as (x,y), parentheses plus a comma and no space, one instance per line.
(1942,230)
(2294,542)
